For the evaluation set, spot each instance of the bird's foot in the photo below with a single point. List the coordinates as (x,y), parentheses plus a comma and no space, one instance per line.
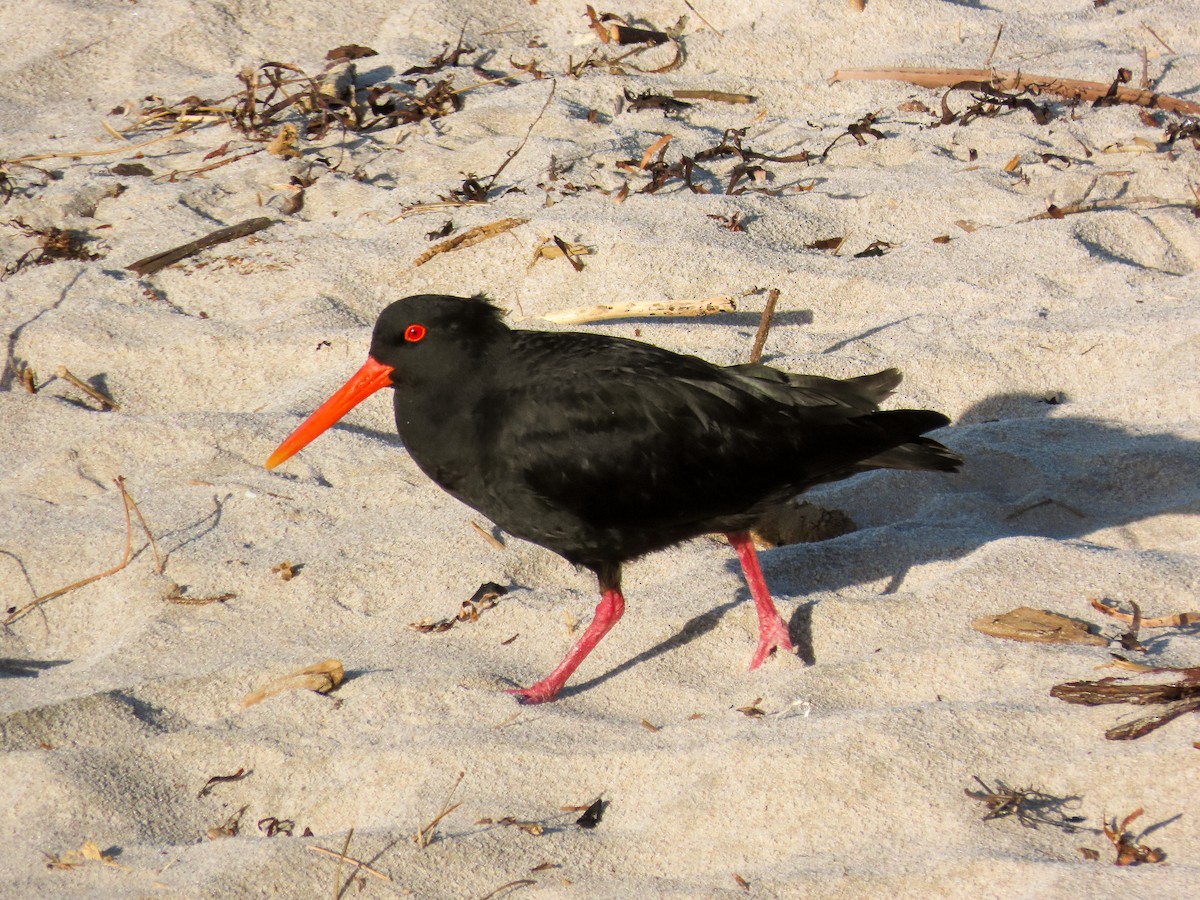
(771,637)
(542,692)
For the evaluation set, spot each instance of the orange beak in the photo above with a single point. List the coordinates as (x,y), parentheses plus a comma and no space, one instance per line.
(370,378)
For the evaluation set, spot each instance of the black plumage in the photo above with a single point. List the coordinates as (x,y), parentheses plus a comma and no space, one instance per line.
(603,449)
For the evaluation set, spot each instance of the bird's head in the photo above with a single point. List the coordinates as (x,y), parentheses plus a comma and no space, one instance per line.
(428,337)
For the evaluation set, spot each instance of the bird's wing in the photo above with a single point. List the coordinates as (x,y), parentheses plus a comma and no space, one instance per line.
(669,444)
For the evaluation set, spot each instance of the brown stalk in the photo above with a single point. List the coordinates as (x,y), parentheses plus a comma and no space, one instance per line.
(350,859)
(124,148)
(1070,88)
(127,502)
(106,402)
(764,325)
(1178,620)
(425,835)
(151,264)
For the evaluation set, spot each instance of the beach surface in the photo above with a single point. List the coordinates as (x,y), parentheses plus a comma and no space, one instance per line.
(1027,259)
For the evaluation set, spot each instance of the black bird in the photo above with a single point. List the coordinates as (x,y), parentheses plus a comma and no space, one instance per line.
(603,449)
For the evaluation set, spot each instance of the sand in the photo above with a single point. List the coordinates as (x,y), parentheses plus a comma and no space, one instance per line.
(1064,348)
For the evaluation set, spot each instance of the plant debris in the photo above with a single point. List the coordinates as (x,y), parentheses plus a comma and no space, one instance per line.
(752,710)
(320,677)
(106,402)
(1069,88)
(52,244)
(1028,806)
(1039,626)
(1176,698)
(1176,620)
(639,309)
(424,836)
(990,101)
(222,779)
(1130,850)
(593,814)
(556,248)
(229,828)
(764,325)
(668,105)
(612,29)
(176,594)
(469,237)
(151,264)
(483,599)
(286,570)
(89,851)
(273,827)
(359,865)
(688,168)
(534,828)
(129,503)
(717,96)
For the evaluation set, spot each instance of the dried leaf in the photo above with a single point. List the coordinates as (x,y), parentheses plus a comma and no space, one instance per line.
(469,237)
(283,144)
(321,677)
(593,814)
(1038,626)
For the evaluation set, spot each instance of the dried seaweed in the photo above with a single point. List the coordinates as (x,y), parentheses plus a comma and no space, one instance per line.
(484,598)
(222,779)
(593,814)
(52,244)
(859,130)
(615,30)
(686,167)
(1176,697)
(668,105)
(990,102)
(1130,849)
(1187,129)
(1028,806)
(1069,88)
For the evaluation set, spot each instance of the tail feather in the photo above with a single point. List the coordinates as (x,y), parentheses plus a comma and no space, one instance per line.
(912,451)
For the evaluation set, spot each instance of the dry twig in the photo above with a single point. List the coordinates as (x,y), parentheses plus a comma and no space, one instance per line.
(639,309)
(425,835)
(764,325)
(151,264)
(127,502)
(1069,88)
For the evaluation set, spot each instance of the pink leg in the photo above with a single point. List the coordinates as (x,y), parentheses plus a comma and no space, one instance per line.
(772,632)
(608,611)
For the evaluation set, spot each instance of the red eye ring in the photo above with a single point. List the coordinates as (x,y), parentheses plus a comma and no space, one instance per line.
(414,332)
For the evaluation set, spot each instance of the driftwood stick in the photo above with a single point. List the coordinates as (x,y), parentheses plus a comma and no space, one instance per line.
(1070,88)
(638,309)
(764,326)
(152,264)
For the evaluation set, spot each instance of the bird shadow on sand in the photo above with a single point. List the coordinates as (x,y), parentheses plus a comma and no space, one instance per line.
(1026,474)
(692,629)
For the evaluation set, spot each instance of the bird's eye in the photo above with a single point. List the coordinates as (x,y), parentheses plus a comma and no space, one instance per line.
(414,333)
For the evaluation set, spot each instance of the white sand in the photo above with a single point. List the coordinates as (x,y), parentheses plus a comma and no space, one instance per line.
(853,783)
